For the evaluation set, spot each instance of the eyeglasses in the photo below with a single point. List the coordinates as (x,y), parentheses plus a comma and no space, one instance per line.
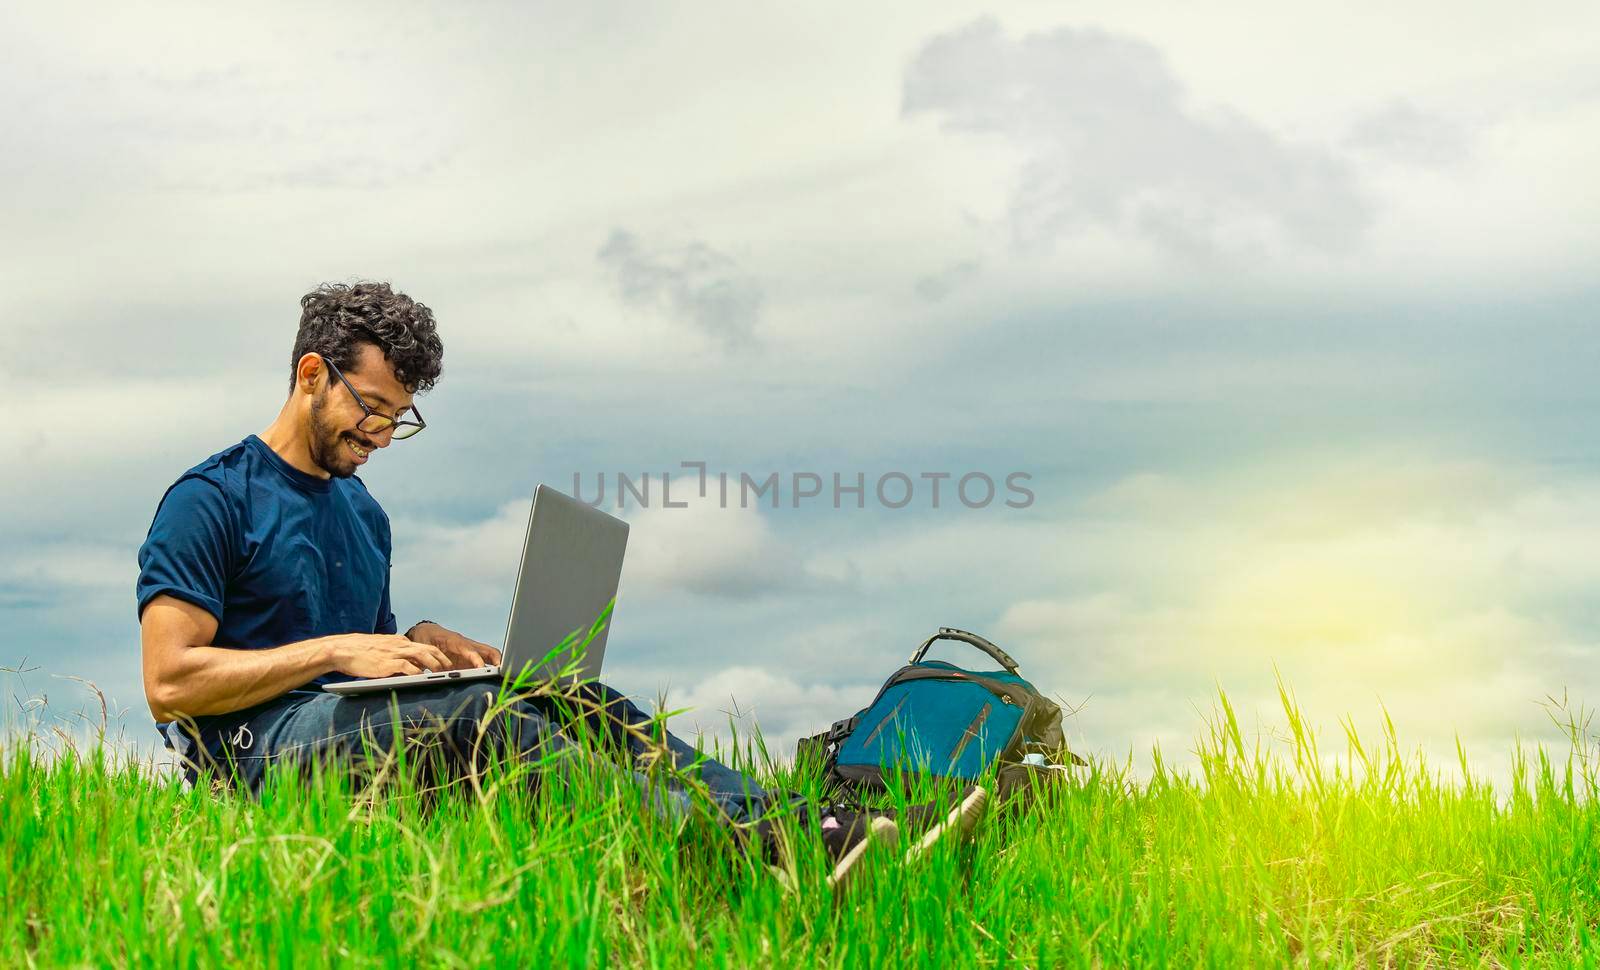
(376,422)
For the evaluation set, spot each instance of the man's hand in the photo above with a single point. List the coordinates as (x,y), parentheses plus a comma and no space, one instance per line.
(462,651)
(383,655)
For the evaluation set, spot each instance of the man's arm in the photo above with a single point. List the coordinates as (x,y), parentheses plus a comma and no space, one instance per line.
(185,676)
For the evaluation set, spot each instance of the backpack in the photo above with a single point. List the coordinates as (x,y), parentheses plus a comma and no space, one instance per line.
(935,719)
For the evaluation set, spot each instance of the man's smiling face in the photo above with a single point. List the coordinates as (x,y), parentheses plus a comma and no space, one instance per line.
(336,445)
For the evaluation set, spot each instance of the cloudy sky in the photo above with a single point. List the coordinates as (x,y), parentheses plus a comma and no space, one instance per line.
(1289,318)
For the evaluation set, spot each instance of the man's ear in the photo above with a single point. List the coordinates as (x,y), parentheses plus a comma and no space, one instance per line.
(308,373)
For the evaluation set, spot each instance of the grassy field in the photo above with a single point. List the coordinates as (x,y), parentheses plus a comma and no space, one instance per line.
(1272,854)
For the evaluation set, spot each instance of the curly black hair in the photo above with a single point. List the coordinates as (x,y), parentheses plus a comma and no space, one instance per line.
(336,318)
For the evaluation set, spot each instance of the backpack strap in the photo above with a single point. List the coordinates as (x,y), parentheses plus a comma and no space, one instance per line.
(824,747)
(951,633)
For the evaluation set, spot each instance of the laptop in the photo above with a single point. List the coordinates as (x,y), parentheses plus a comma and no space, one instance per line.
(571,564)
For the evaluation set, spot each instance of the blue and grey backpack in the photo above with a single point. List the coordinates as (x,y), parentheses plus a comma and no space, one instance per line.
(935,719)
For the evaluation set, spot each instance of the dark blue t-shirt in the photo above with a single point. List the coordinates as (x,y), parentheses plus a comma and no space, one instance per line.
(275,554)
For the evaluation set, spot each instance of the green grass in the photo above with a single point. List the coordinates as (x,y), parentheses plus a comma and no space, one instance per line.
(1274,853)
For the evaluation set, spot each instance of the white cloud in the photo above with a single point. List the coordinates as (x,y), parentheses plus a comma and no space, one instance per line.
(746,699)
(1404,133)
(80,567)
(936,286)
(473,564)
(705,549)
(1452,591)
(701,549)
(1110,139)
(694,281)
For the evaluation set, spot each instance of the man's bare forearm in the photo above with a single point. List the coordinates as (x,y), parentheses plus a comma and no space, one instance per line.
(216,680)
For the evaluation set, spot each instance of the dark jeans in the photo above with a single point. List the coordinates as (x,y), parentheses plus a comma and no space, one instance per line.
(304,727)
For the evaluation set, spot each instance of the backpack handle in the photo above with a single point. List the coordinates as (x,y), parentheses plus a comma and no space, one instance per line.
(951,633)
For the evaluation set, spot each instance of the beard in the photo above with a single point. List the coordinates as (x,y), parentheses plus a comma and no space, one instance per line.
(328,450)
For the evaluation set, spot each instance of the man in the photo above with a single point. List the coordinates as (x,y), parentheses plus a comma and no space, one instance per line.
(265,575)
